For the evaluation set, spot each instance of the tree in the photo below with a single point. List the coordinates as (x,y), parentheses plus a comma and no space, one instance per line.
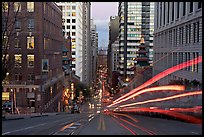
(11,15)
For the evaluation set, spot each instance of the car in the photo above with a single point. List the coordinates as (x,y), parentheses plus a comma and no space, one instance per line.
(75,108)
(7,107)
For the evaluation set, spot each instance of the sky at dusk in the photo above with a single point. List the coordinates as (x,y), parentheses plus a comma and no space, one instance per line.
(100,13)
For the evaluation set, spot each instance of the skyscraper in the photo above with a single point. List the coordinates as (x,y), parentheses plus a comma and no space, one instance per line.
(72,19)
(136,22)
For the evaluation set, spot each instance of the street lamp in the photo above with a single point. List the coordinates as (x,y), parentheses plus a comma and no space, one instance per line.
(127,79)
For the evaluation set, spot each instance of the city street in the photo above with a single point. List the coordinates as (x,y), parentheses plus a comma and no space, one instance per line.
(92,121)
(101,68)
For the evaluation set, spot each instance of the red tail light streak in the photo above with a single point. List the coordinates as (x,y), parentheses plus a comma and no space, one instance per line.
(162,75)
(166,98)
(160,88)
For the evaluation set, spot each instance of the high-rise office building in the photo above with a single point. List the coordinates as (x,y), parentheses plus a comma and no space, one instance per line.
(113,35)
(136,22)
(87,47)
(72,19)
(177,39)
(94,51)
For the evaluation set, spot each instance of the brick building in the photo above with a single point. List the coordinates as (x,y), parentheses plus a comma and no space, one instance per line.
(36,80)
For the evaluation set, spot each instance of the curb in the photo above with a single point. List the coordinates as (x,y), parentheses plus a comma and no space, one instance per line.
(5,119)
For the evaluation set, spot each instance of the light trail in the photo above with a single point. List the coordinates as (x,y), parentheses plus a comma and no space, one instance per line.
(181,116)
(159,88)
(139,127)
(163,74)
(164,99)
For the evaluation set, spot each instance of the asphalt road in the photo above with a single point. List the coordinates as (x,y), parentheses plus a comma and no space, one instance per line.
(94,122)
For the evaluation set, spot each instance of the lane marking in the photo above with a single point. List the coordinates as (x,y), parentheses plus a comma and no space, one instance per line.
(23,129)
(195,133)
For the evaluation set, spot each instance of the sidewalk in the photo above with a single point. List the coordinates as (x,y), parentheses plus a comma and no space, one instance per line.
(32,115)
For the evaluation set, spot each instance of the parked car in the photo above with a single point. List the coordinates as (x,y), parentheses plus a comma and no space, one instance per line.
(75,108)
(7,107)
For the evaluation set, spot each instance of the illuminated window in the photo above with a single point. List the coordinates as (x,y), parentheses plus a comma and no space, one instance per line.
(6,58)
(73,13)
(30,42)
(5,43)
(68,7)
(30,6)
(30,60)
(18,60)
(73,40)
(46,42)
(73,46)
(4,6)
(17,7)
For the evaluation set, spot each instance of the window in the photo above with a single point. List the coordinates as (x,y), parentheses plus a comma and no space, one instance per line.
(30,42)
(73,13)
(68,7)
(178,9)
(64,53)
(68,20)
(73,20)
(44,4)
(18,60)
(30,23)
(182,35)
(73,33)
(30,60)
(73,27)
(191,7)
(68,14)
(164,12)
(63,21)
(63,27)
(17,24)
(184,8)
(65,62)
(31,77)
(4,6)
(194,32)
(68,27)
(160,14)
(172,11)
(186,33)
(199,5)
(46,43)
(189,33)
(17,7)
(30,6)
(17,43)
(18,76)
(197,31)
(168,13)
(73,7)
(73,40)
